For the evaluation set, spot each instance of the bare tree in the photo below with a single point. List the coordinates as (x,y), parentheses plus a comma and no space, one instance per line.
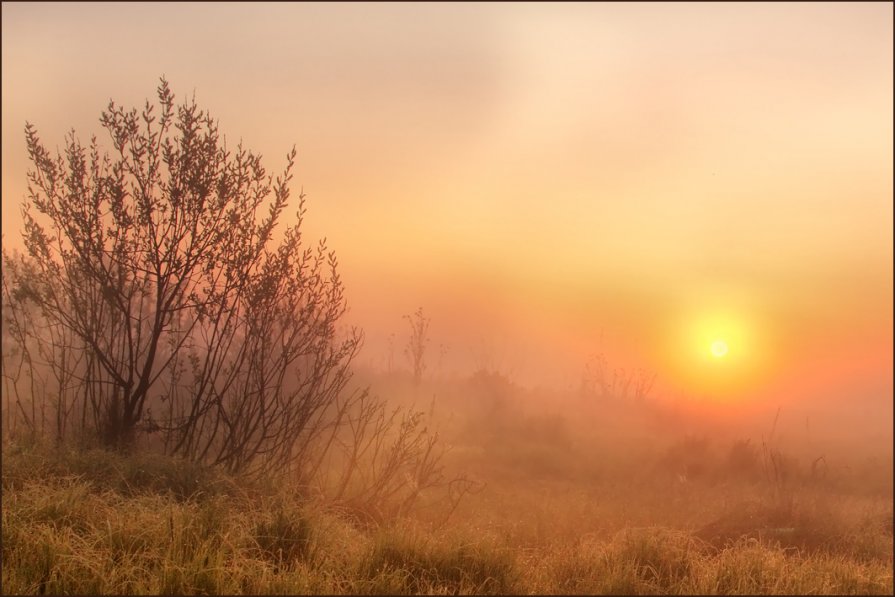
(157,264)
(415,351)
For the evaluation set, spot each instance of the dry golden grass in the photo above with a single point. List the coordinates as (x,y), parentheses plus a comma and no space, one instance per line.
(99,523)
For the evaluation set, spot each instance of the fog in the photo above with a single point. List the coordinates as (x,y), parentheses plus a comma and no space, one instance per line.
(552,185)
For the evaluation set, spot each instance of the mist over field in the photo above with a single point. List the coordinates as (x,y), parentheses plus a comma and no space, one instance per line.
(447,298)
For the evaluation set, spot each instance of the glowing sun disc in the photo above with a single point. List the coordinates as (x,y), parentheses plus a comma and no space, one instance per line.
(719,348)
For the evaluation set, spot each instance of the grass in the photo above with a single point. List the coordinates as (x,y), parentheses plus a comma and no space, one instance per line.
(99,523)
(566,508)
(425,565)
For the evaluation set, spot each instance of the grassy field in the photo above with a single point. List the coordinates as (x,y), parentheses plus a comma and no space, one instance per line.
(552,514)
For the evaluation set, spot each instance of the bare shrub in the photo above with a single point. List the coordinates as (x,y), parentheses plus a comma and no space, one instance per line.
(153,297)
(600,382)
(383,462)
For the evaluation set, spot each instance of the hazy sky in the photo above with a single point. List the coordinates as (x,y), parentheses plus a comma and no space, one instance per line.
(546,181)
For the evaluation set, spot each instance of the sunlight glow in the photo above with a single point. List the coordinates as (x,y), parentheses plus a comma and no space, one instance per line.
(719,348)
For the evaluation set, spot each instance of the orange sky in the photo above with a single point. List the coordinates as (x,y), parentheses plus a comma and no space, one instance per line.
(546,181)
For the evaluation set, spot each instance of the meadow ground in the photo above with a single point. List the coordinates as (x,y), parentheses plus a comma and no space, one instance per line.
(555,510)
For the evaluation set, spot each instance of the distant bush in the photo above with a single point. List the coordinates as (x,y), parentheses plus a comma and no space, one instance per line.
(743,461)
(688,459)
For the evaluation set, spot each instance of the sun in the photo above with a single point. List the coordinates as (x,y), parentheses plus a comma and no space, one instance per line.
(717,352)
(719,349)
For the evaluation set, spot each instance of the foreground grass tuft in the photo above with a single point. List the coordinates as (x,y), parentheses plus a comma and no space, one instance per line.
(662,562)
(411,562)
